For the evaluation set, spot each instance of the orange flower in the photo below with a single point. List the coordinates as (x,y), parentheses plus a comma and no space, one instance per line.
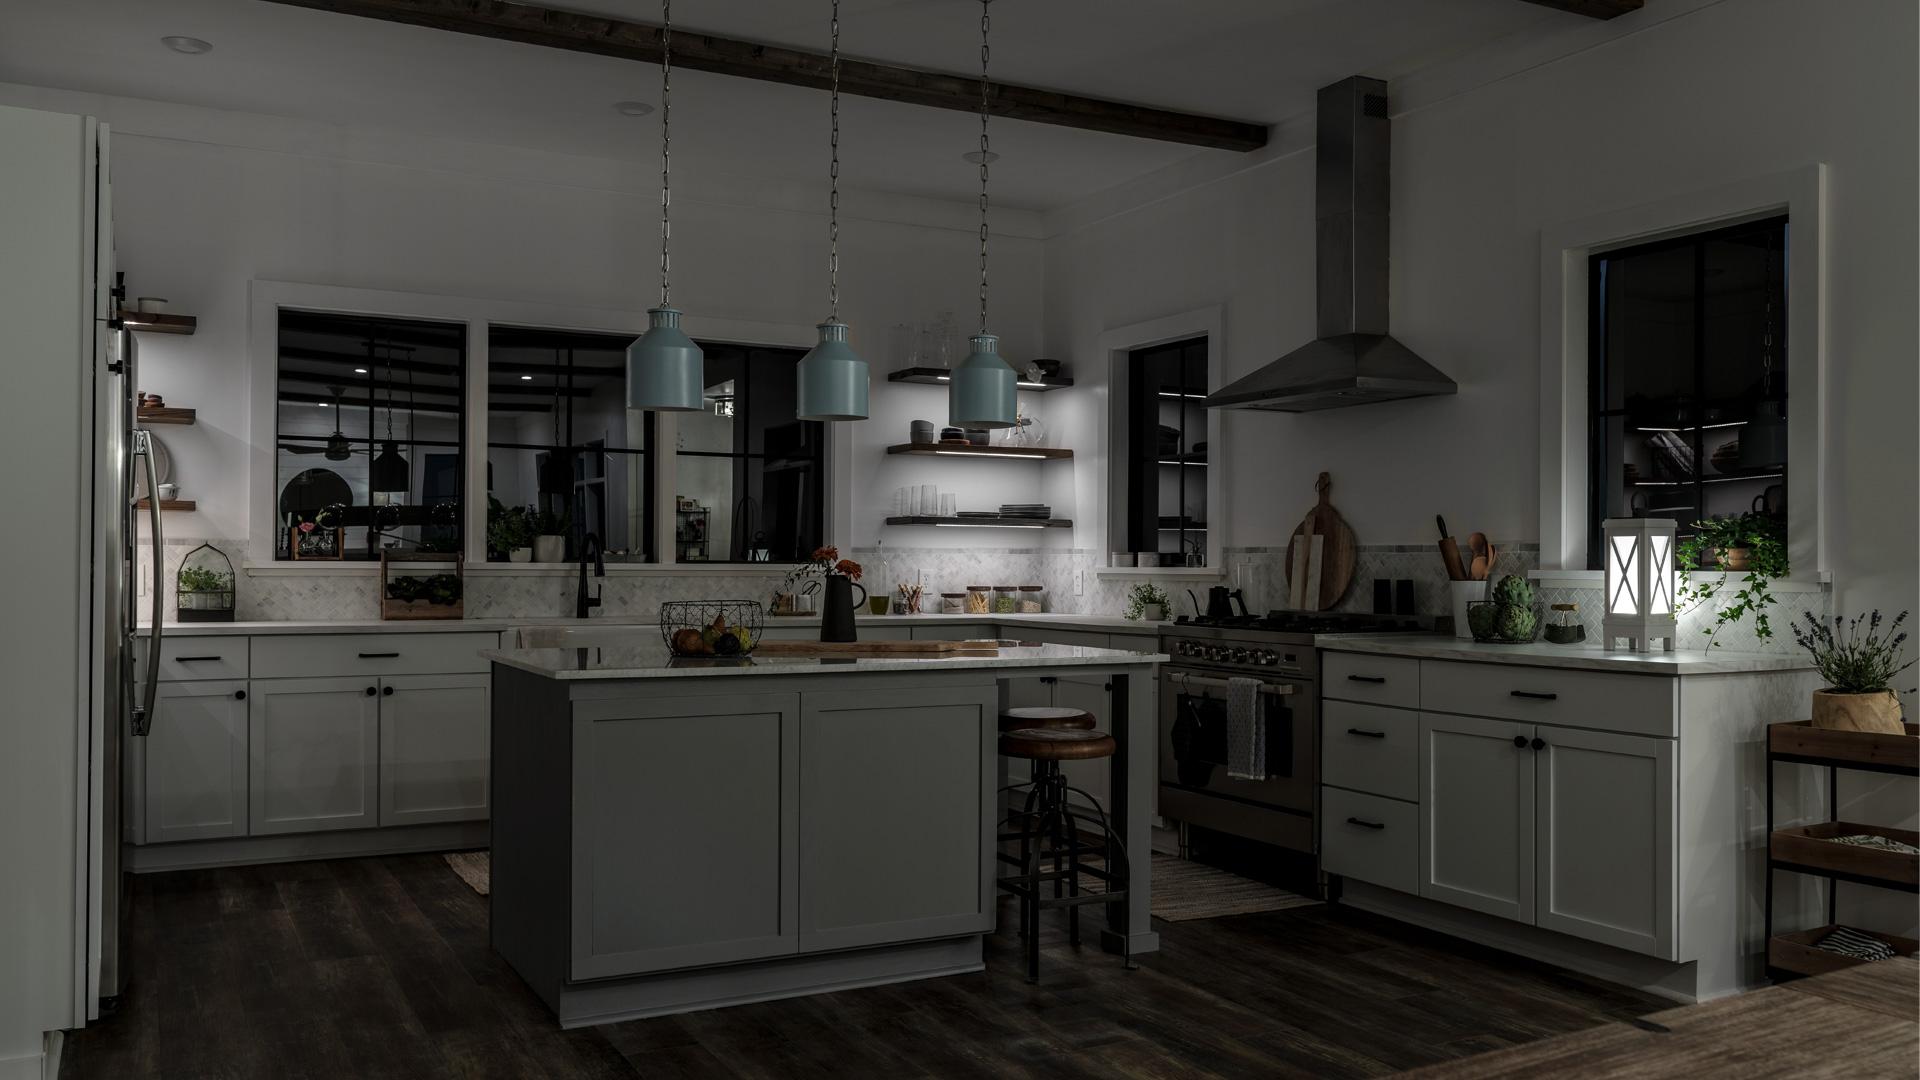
(825,555)
(849,568)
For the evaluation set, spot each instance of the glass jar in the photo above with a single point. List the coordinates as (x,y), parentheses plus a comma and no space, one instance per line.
(1564,626)
(953,603)
(979,599)
(1004,599)
(1033,599)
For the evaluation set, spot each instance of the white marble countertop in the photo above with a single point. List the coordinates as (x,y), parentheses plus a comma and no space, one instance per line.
(1547,654)
(1088,623)
(654,662)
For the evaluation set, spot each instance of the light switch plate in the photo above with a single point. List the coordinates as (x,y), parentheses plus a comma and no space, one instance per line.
(1079,582)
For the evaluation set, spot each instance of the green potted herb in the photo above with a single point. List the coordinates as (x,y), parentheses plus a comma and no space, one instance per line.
(1146,601)
(510,530)
(1752,545)
(1858,669)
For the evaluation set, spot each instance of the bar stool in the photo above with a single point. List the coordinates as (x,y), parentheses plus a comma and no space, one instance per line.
(1050,833)
(1045,716)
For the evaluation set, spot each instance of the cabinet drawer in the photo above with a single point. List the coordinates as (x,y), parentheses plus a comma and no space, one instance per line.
(1053,637)
(1370,748)
(186,658)
(319,655)
(1376,680)
(1371,839)
(1596,700)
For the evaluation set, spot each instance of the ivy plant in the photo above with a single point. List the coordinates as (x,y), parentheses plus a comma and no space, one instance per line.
(1143,595)
(1711,548)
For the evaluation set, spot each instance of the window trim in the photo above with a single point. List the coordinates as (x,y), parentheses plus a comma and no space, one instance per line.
(1565,285)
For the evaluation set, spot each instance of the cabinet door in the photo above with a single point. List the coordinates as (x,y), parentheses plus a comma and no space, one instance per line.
(1605,833)
(433,748)
(1476,814)
(313,752)
(869,873)
(684,832)
(195,780)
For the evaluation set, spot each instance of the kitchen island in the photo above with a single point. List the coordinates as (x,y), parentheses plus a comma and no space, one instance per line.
(671,835)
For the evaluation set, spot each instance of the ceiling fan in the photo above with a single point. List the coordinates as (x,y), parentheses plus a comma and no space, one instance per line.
(337,447)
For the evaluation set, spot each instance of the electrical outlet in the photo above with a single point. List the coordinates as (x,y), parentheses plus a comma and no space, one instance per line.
(1079,582)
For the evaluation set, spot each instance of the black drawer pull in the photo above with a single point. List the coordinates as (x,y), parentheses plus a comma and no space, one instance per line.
(1366,734)
(387,690)
(372,690)
(1365,824)
(239,695)
(379,655)
(1367,678)
(1533,695)
(196,659)
(1520,741)
(1539,743)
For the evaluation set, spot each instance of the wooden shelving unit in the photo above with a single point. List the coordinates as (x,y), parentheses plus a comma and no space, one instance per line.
(984,523)
(939,376)
(167,505)
(955,449)
(154,323)
(166,415)
(1810,849)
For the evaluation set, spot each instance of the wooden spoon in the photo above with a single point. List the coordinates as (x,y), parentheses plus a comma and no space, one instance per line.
(1482,563)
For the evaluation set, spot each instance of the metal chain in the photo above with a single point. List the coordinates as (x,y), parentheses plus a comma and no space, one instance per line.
(985,26)
(833,173)
(666,151)
(1766,334)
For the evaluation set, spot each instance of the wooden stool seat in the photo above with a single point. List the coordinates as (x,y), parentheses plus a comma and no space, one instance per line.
(1045,716)
(1055,744)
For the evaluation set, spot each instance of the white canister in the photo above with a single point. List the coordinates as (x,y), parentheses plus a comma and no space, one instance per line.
(1463,592)
(1120,558)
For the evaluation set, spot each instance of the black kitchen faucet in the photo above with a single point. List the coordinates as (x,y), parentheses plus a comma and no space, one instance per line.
(582,603)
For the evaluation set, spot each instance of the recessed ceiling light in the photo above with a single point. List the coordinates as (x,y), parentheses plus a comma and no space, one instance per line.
(192,46)
(980,157)
(526,378)
(359,371)
(632,108)
(321,405)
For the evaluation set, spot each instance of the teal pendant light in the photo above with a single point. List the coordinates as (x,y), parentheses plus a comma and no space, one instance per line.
(981,393)
(666,371)
(832,377)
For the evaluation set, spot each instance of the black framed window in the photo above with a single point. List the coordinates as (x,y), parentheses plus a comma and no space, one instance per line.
(369,435)
(1167,451)
(1688,378)
(751,478)
(565,457)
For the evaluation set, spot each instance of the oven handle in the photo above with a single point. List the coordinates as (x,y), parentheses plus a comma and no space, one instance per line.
(1184,681)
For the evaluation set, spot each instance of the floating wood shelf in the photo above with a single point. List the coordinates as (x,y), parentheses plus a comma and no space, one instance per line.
(169,504)
(984,522)
(1796,953)
(939,376)
(958,449)
(166,416)
(153,322)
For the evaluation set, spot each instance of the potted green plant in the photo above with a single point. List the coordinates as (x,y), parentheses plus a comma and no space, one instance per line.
(1146,601)
(549,537)
(510,530)
(1752,545)
(1858,670)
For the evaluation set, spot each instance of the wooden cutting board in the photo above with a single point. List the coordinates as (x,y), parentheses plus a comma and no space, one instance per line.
(1322,588)
(981,647)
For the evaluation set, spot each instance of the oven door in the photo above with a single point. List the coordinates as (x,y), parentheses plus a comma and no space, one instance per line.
(1193,743)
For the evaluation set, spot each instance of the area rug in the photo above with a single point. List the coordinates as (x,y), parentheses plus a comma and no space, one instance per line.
(1183,891)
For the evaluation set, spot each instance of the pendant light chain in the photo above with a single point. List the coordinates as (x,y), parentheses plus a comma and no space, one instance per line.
(666,151)
(985,25)
(1766,336)
(833,171)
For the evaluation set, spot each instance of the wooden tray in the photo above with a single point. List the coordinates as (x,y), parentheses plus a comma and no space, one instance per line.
(982,647)
(1811,847)
(1847,749)
(1795,952)
(410,610)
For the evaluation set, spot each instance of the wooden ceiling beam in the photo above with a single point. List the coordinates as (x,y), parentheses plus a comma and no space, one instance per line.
(1593,9)
(531,25)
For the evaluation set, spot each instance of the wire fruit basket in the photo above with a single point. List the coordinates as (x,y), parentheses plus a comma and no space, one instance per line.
(711,628)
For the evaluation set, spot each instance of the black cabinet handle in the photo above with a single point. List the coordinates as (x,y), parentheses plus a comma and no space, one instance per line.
(387,690)
(239,695)
(1366,734)
(1049,680)
(1533,695)
(1520,741)
(1367,678)
(372,690)
(1365,824)
(379,655)
(196,659)
(1539,743)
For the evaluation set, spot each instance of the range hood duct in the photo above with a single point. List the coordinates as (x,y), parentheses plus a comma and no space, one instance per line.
(1354,361)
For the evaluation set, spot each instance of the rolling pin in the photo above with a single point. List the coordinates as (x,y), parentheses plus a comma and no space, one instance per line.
(1450,552)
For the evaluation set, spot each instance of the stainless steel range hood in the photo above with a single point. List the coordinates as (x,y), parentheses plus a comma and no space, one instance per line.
(1353,361)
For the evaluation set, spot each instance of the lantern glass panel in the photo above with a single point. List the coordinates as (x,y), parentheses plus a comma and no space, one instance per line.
(1660,575)
(1623,591)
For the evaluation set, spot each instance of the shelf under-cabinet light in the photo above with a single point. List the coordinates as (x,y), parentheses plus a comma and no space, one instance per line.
(985,453)
(1017,382)
(1195,464)
(1189,397)
(984,525)
(1709,480)
(1702,427)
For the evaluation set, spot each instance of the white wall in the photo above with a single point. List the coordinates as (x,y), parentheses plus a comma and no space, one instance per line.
(1719,94)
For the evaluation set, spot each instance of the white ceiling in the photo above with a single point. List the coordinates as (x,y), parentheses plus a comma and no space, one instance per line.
(1258,60)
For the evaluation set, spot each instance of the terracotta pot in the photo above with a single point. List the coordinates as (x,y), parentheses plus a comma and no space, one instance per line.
(1736,558)
(1874,710)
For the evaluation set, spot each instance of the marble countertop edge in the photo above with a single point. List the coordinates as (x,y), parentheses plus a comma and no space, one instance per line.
(1578,657)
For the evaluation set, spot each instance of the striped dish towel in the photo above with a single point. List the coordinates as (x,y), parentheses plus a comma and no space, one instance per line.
(1246,730)
(1855,944)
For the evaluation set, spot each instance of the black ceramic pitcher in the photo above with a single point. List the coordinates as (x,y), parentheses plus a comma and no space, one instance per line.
(837,608)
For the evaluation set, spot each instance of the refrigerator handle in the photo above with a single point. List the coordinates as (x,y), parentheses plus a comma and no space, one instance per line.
(143,713)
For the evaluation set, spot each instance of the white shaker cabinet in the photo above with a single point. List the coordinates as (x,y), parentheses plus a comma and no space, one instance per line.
(195,779)
(314,754)
(1476,814)
(1604,827)
(433,748)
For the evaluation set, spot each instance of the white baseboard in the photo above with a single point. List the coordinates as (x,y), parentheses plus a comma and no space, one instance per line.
(298,847)
(42,1066)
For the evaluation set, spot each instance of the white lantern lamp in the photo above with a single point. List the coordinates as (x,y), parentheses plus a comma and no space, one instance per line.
(1639,582)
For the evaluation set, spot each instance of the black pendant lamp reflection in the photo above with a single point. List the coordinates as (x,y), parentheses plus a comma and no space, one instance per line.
(556,472)
(389,472)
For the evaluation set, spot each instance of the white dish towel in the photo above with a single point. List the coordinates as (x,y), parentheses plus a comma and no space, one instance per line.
(1246,730)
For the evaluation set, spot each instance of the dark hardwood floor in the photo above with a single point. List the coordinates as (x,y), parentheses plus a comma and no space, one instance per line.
(380,968)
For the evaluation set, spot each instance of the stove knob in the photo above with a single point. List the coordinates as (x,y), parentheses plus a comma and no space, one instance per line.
(1238,656)
(1215,652)
(1264,657)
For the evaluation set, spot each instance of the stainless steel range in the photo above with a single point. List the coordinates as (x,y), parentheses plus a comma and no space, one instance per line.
(1278,650)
